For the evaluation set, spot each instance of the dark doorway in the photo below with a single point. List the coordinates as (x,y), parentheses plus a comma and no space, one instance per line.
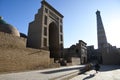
(53,40)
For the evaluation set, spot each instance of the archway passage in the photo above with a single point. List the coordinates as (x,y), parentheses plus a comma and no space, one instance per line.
(54,40)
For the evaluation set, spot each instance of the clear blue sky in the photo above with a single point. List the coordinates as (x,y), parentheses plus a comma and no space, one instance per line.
(79,18)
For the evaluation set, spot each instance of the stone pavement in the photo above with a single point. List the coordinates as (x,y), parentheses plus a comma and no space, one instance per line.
(48,74)
(107,72)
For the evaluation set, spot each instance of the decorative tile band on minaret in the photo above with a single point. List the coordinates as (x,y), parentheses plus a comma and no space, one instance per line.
(101,36)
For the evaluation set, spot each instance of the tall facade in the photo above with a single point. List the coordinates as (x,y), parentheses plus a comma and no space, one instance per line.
(46,31)
(101,36)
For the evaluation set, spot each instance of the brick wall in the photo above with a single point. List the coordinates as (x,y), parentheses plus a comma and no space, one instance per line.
(11,41)
(14,56)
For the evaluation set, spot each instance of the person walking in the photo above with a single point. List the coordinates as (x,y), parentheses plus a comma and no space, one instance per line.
(97,67)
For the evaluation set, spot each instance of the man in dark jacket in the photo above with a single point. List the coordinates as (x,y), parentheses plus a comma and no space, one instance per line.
(97,67)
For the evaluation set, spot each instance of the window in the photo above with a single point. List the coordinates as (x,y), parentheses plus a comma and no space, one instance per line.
(61,37)
(45,31)
(77,51)
(45,42)
(46,10)
(45,20)
(61,20)
(61,28)
(61,46)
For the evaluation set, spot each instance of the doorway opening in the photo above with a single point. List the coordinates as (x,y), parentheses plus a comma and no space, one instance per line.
(54,40)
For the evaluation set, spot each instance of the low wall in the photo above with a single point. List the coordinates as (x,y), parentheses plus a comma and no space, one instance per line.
(14,56)
(25,59)
(75,61)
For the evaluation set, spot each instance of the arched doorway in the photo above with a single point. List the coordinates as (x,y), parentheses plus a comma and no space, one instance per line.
(53,40)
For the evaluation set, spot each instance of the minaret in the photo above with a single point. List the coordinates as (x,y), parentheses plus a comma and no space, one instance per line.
(101,36)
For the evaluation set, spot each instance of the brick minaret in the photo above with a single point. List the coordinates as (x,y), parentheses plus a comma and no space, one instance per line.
(101,36)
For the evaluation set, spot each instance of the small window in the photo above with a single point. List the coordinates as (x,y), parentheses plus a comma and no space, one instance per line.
(45,42)
(45,31)
(61,20)
(61,29)
(61,37)
(46,10)
(45,20)
(61,46)
(77,50)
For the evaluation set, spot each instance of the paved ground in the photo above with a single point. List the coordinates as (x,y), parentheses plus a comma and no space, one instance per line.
(66,73)
(48,74)
(105,73)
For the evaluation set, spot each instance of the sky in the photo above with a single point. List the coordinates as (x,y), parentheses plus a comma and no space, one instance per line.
(79,22)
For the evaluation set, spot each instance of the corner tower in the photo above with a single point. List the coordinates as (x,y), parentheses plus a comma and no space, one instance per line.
(101,36)
(46,31)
